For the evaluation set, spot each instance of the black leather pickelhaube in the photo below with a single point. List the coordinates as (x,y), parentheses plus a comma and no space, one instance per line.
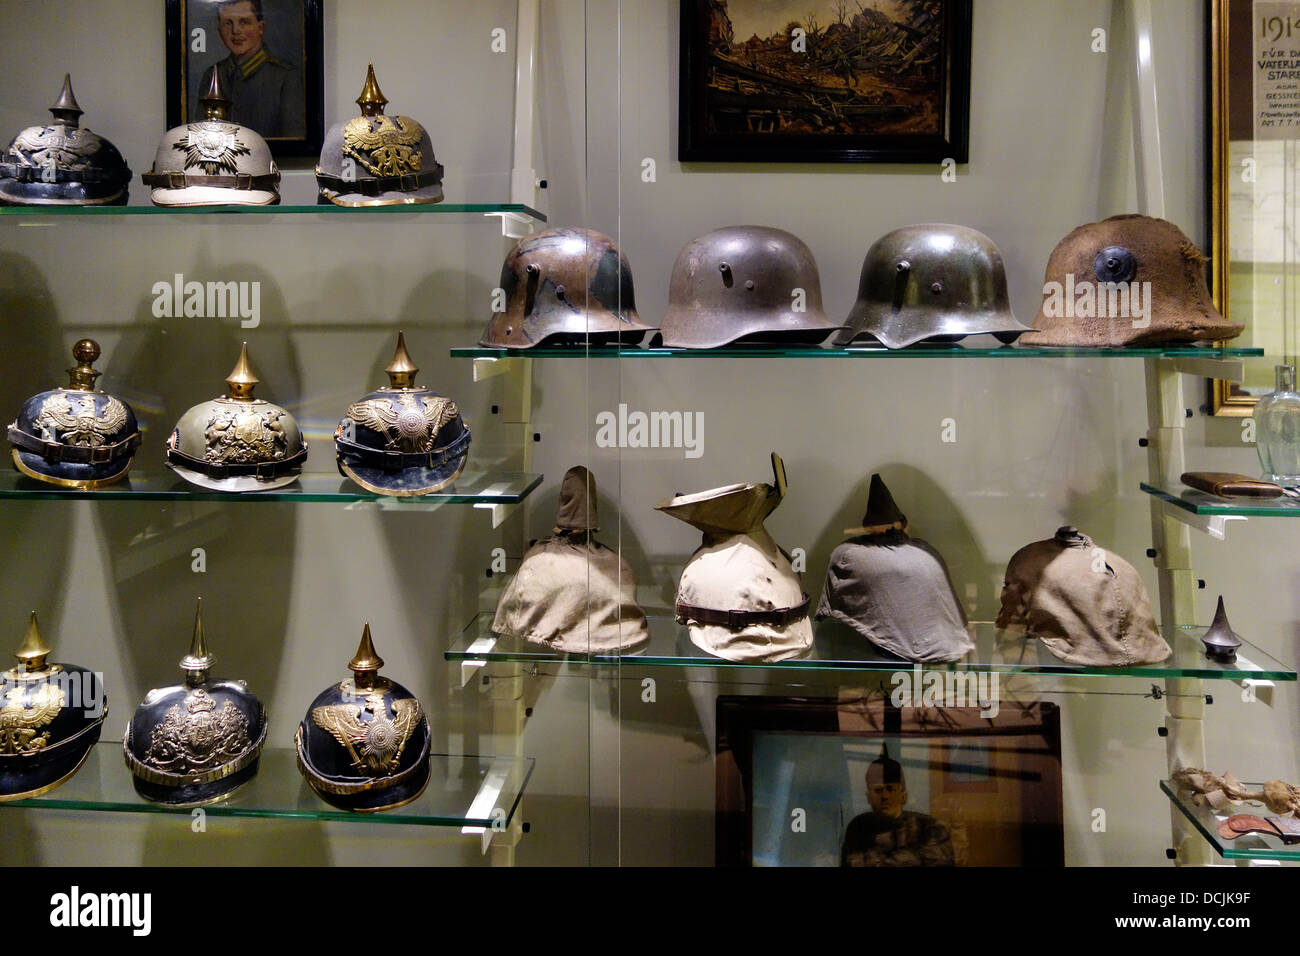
(364,744)
(51,717)
(402,440)
(63,163)
(76,437)
(193,744)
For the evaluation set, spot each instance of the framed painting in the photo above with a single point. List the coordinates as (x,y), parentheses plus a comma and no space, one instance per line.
(269,54)
(828,81)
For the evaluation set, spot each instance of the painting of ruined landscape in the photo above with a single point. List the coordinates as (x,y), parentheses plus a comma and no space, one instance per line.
(852,79)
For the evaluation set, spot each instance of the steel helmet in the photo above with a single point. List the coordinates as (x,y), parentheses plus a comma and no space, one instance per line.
(745,284)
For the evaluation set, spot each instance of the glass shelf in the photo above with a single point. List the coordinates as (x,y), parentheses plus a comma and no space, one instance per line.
(425,209)
(1252,846)
(814,351)
(472,487)
(1202,503)
(837,647)
(463,791)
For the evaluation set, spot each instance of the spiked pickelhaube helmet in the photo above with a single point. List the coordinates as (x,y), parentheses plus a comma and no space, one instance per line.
(194,743)
(63,163)
(364,744)
(565,287)
(237,442)
(933,282)
(76,437)
(377,160)
(404,439)
(52,717)
(745,285)
(214,162)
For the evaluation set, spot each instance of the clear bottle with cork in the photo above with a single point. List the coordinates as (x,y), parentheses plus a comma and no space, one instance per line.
(1277,422)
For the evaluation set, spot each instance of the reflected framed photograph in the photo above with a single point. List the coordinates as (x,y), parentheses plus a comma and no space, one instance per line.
(269,54)
(824,81)
(857,782)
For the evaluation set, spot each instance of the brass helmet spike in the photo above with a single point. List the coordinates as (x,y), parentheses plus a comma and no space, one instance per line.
(216,105)
(241,381)
(33,650)
(365,662)
(199,660)
(401,371)
(65,108)
(84,352)
(372,100)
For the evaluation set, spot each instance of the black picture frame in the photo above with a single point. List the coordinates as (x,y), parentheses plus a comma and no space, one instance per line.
(1017,781)
(698,142)
(184,69)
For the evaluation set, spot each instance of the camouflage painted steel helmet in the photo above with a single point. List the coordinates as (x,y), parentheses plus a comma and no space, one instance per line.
(933,282)
(214,162)
(63,163)
(364,744)
(377,160)
(76,437)
(237,442)
(745,285)
(402,440)
(565,287)
(194,743)
(53,714)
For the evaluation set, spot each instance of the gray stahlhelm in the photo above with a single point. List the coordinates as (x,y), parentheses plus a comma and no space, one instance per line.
(63,163)
(931,283)
(565,287)
(214,162)
(194,743)
(237,442)
(745,285)
(377,160)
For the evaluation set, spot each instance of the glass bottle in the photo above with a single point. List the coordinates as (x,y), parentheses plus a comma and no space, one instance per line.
(1277,423)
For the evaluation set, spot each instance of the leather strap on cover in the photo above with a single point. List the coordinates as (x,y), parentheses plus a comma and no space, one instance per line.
(73,454)
(1225,484)
(40,174)
(258,469)
(397,460)
(777,617)
(381,184)
(184,180)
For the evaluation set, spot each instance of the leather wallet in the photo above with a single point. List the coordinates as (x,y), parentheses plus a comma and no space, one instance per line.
(1225,484)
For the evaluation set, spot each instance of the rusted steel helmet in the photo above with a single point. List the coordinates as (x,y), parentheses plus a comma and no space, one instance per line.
(1127,281)
(745,285)
(933,282)
(565,287)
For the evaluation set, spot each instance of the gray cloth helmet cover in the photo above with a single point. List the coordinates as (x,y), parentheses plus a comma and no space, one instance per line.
(1086,604)
(933,282)
(572,593)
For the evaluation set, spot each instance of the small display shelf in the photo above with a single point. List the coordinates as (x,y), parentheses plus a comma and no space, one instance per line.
(442,209)
(837,647)
(816,351)
(1252,846)
(463,791)
(1202,503)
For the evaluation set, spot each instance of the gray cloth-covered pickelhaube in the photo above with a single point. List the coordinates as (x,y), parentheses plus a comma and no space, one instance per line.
(194,743)
(364,744)
(237,442)
(745,285)
(402,440)
(76,437)
(565,287)
(52,717)
(377,160)
(214,162)
(572,593)
(931,283)
(894,589)
(63,163)
(739,595)
(1086,604)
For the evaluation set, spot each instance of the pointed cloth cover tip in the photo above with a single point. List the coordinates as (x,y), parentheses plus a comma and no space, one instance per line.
(576,510)
(882,513)
(730,509)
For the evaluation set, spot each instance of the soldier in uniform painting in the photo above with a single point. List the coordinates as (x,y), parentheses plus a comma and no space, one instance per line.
(266,93)
(889,835)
